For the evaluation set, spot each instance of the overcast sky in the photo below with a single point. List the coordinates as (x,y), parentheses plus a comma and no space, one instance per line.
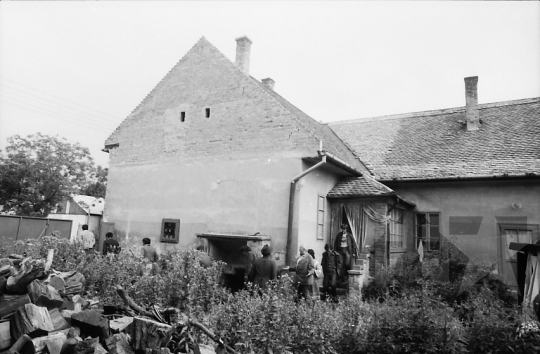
(77,69)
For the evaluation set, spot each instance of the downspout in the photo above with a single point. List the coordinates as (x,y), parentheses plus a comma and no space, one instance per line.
(292,193)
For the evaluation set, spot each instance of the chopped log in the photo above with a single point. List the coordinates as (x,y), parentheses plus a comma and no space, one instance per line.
(70,305)
(3,287)
(69,345)
(5,270)
(66,314)
(32,320)
(44,295)
(57,283)
(92,323)
(20,344)
(146,333)
(58,320)
(40,343)
(74,282)
(55,345)
(11,303)
(89,346)
(120,324)
(5,335)
(48,263)
(119,344)
(30,270)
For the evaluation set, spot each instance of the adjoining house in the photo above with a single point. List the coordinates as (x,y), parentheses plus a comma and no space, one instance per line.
(81,209)
(213,156)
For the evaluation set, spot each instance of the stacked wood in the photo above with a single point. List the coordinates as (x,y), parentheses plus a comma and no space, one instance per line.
(29,270)
(92,323)
(73,282)
(5,336)
(146,333)
(32,320)
(44,295)
(58,321)
(119,344)
(11,303)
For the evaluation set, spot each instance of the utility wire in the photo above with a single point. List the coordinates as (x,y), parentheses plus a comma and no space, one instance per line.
(56,115)
(93,109)
(103,120)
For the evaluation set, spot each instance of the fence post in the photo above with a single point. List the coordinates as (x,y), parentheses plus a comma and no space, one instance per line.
(18,228)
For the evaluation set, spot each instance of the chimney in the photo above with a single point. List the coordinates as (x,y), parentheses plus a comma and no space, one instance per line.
(243,50)
(471,108)
(268,82)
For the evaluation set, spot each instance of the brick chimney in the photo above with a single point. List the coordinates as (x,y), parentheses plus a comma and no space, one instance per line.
(268,82)
(471,108)
(243,51)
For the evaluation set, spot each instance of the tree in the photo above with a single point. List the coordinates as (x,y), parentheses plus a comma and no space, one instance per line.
(98,185)
(39,171)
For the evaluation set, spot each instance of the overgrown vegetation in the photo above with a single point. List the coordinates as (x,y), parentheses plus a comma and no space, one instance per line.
(415,307)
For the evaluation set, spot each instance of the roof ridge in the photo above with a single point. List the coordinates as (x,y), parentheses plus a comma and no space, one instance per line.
(160,80)
(436,111)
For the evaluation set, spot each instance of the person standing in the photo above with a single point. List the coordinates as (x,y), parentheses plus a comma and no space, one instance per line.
(87,239)
(317,273)
(331,264)
(110,245)
(304,274)
(346,247)
(248,260)
(150,256)
(264,269)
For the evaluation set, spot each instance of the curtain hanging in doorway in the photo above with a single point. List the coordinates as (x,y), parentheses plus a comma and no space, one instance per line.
(355,217)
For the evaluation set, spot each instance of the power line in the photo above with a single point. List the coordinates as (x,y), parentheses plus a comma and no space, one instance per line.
(107,121)
(93,109)
(55,114)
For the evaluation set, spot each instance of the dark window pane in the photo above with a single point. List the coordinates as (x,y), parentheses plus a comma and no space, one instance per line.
(434,219)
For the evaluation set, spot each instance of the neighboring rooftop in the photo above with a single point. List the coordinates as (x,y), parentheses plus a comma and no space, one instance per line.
(437,144)
(358,187)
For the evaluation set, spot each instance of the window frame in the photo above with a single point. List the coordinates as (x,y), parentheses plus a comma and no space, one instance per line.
(321,205)
(427,216)
(176,232)
(394,222)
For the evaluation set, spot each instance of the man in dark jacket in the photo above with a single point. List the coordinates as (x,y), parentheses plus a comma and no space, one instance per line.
(346,247)
(264,269)
(110,245)
(331,264)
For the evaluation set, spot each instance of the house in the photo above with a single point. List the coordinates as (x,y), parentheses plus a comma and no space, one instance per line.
(214,157)
(473,173)
(81,209)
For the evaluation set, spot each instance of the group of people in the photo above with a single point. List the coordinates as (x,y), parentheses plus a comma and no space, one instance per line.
(336,260)
(87,240)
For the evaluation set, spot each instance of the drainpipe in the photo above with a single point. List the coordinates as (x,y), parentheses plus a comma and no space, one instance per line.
(289,251)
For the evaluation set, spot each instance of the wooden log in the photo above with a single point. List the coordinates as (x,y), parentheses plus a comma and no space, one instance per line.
(119,344)
(41,343)
(48,263)
(129,302)
(11,303)
(44,295)
(69,345)
(146,333)
(5,270)
(120,324)
(57,283)
(74,282)
(92,323)
(32,320)
(58,320)
(20,344)
(29,270)
(5,335)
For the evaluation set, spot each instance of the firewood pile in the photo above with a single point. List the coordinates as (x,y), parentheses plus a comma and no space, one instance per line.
(44,312)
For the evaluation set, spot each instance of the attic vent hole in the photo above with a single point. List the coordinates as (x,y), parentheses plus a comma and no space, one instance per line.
(208,113)
(182,116)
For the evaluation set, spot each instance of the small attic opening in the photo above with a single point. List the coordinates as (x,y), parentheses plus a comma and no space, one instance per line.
(182,117)
(207,112)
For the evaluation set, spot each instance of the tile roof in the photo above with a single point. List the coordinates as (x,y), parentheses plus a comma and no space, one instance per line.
(436,144)
(359,186)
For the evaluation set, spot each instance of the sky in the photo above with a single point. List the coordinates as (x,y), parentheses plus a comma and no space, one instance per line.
(78,69)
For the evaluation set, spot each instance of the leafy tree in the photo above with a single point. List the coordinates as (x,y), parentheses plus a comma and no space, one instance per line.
(38,171)
(98,186)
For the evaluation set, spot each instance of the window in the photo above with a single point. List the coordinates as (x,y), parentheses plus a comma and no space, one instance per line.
(170,230)
(396,228)
(427,226)
(182,116)
(208,113)
(320,217)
